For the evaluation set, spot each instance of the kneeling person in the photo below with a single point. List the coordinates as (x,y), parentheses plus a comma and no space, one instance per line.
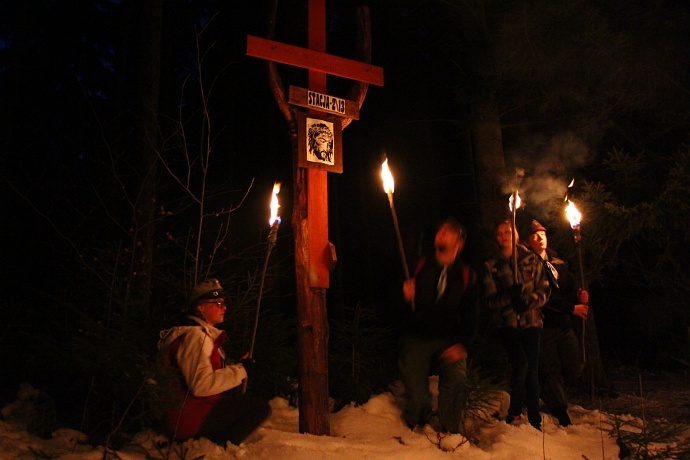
(202,405)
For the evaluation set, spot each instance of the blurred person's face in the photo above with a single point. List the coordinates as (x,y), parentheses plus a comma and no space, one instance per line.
(447,244)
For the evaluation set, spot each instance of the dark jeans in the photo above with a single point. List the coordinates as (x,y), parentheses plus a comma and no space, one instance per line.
(418,358)
(560,362)
(234,418)
(522,347)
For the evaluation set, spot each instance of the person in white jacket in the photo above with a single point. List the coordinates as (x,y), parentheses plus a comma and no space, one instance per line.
(207,401)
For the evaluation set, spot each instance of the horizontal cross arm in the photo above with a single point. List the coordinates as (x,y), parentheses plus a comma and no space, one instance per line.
(313,60)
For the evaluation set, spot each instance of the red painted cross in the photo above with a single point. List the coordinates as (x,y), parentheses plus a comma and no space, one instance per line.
(313,60)
(319,64)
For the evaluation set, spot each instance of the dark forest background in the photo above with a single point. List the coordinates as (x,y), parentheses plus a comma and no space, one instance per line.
(139,146)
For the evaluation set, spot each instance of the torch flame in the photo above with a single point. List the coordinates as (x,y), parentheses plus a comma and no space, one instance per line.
(388,183)
(274,204)
(572,182)
(518,201)
(573,215)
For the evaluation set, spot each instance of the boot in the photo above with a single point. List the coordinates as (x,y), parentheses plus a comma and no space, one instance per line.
(563,418)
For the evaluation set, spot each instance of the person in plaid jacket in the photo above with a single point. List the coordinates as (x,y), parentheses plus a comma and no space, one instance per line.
(516,303)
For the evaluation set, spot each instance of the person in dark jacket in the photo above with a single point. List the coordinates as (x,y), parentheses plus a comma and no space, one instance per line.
(560,357)
(206,402)
(443,298)
(516,303)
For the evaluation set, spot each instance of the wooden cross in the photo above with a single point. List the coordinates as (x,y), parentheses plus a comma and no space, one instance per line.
(312,282)
(319,64)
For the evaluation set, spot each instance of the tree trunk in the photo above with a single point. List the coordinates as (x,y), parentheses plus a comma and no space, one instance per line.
(487,144)
(144,71)
(485,122)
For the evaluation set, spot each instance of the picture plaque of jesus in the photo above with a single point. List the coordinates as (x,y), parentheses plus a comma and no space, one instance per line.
(319,141)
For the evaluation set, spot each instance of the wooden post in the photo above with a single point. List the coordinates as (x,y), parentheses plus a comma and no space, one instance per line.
(313,328)
(310,213)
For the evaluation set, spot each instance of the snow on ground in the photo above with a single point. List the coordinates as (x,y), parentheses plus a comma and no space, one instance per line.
(374,430)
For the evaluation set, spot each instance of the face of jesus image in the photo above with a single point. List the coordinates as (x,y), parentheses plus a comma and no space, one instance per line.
(320,139)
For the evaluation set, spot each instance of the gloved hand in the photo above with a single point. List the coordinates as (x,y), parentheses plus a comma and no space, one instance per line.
(248,364)
(520,306)
(515,292)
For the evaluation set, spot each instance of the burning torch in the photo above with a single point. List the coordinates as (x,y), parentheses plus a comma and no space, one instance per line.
(514,204)
(389,188)
(574,217)
(274,222)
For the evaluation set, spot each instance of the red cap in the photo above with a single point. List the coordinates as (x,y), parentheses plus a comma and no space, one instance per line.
(535,226)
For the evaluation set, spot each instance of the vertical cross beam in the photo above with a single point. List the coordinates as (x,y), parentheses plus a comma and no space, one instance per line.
(312,328)
(310,219)
(317,180)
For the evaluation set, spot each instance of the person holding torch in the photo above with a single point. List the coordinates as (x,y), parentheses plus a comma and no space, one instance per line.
(204,399)
(560,359)
(515,301)
(437,334)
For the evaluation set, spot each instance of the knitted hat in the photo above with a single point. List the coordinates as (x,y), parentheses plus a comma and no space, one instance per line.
(209,289)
